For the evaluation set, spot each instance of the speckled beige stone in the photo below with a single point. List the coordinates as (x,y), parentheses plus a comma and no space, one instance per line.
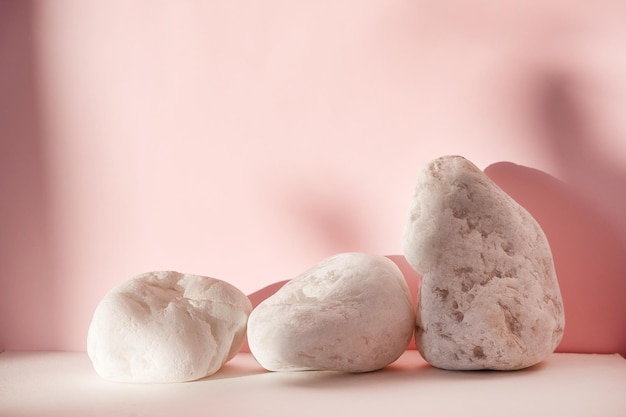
(489,295)
(352,312)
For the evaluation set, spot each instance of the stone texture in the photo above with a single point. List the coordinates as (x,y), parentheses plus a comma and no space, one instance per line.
(167,327)
(489,296)
(352,312)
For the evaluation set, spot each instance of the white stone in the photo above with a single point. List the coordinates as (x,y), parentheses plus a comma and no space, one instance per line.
(489,296)
(167,327)
(352,312)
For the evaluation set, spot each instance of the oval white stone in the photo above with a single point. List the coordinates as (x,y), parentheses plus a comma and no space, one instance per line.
(352,312)
(167,327)
(489,297)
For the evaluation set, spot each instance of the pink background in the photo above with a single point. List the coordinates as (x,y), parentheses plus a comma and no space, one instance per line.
(247,140)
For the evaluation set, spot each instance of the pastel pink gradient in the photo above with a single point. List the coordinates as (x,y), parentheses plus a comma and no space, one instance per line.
(248,140)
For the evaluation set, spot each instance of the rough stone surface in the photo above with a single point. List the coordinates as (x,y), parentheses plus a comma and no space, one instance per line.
(167,327)
(352,312)
(489,296)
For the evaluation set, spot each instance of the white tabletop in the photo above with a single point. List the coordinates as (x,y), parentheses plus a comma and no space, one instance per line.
(64,384)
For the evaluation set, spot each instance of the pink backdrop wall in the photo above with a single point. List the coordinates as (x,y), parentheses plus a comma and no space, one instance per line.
(248,140)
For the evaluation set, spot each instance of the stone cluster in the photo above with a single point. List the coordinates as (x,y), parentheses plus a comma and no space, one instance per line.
(488,299)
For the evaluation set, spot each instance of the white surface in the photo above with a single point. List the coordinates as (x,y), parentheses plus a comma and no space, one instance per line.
(65,384)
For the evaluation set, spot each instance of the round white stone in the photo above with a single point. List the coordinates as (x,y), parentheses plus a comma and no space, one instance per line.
(489,296)
(167,327)
(352,312)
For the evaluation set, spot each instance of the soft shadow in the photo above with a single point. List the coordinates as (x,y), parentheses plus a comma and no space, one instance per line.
(568,121)
(567,111)
(331,219)
(233,370)
(28,307)
(589,262)
(331,380)
(413,281)
(410,275)
(418,372)
(256,298)
(265,292)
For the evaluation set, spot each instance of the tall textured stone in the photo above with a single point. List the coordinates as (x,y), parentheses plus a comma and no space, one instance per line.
(489,296)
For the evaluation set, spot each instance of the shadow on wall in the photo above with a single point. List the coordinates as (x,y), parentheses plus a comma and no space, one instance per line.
(26,263)
(587,255)
(584,220)
(567,116)
(256,298)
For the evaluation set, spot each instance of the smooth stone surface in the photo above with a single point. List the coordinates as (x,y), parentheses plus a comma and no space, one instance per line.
(352,312)
(167,327)
(489,296)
